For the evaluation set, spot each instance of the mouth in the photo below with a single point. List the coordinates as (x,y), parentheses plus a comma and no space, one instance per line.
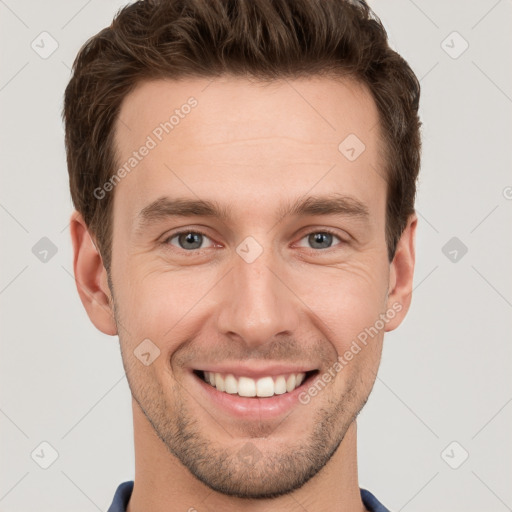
(263,386)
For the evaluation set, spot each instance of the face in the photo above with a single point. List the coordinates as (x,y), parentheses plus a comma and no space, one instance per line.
(249,253)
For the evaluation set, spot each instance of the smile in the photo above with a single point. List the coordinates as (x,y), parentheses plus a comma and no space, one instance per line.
(263,387)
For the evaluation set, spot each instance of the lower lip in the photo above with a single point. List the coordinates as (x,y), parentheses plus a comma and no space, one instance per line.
(253,409)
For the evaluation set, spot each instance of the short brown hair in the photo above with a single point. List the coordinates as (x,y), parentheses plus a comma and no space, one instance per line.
(262,39)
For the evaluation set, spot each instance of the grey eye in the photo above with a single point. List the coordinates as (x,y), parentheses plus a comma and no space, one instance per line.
(188,240)
(319,240)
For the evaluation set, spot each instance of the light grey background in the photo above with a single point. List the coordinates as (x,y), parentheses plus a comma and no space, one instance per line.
(445,374)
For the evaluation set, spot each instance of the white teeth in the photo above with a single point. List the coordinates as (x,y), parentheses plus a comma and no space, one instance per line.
(290,383)
(219,382)
(230,383)
(247,387)
(265,386)
(280,385)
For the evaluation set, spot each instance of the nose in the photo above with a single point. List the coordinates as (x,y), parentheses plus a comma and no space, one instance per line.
(257,303)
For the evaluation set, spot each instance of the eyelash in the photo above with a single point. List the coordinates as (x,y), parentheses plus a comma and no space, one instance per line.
(166,242)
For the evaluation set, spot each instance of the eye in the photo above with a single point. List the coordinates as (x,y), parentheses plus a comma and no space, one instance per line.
(320,240)
(189,240)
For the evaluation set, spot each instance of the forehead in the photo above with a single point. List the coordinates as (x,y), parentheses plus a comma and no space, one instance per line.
(282,137)
(311,110)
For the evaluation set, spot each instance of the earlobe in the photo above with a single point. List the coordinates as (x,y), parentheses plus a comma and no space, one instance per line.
(401,275)
(91,277)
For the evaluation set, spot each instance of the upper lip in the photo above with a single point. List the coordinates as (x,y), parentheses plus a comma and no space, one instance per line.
(253,370)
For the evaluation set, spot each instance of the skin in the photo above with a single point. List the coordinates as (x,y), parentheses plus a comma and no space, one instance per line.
(252,148)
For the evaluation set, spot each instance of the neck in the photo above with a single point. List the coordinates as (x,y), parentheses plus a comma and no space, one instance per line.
(162,483)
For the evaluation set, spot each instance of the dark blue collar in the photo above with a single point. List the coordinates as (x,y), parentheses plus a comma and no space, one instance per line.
(124,491)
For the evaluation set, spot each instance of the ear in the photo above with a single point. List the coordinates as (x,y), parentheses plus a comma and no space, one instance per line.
(91,277)
(401,274)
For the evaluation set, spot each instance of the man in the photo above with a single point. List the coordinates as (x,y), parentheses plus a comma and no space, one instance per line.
(243,173)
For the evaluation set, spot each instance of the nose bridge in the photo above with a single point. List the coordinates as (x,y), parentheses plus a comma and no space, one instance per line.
(256,304)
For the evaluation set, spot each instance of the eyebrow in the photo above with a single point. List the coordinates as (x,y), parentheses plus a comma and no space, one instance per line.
(333,204)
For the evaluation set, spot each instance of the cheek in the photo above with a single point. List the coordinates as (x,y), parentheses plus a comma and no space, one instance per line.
(162,305)
(347,299)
